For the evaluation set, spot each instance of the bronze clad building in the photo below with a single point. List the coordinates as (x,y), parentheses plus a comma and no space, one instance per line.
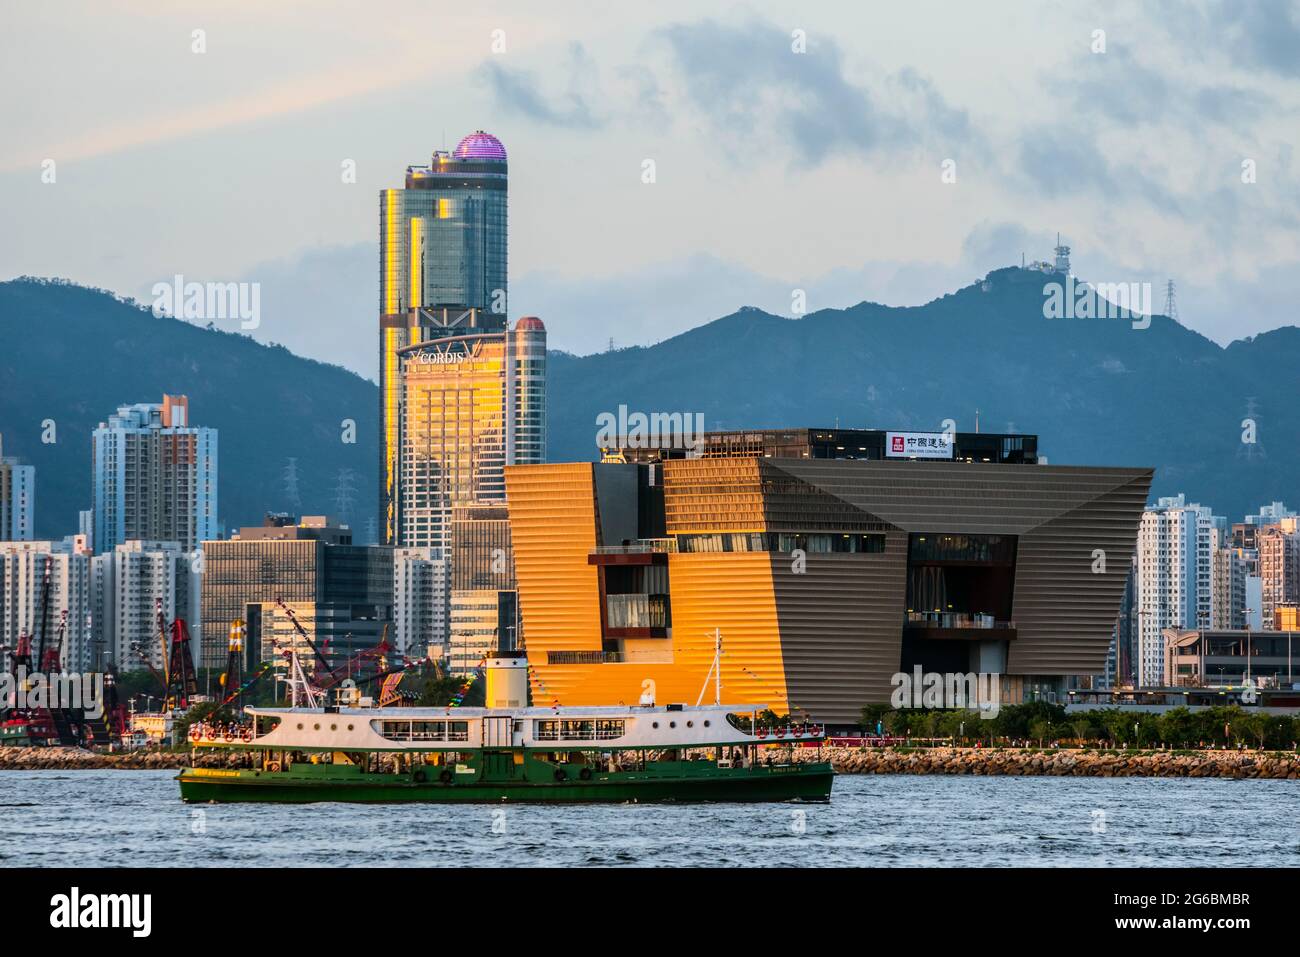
(826,576)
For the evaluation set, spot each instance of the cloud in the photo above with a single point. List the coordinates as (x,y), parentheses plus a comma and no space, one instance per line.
(1120,89)
(520,92)
(751,85)
(1070,159)
(1260,34)
(295,95)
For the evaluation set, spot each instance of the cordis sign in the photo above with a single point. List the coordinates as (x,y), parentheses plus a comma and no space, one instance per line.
(431,357)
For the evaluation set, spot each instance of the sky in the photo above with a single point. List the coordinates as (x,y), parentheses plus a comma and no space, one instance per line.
(852,151)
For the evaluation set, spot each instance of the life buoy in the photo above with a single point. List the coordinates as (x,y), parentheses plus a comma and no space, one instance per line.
(229,736)
(273,766)
(419,777)
(561,774)
(445,776)
(585,774)
(762,732)
(195,733)
(779,732)
(246,734)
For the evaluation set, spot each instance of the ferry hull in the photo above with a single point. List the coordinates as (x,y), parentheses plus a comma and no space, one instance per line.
(805,782)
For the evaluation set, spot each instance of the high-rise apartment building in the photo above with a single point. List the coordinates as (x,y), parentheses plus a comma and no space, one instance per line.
(442,271)
(1174,570)
(421,587)
(154,477)
(129,582)
(1279,567)
(25,609)
(17,499)
(1228,574)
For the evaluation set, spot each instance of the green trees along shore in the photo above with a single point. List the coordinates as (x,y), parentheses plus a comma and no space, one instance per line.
(1042,724)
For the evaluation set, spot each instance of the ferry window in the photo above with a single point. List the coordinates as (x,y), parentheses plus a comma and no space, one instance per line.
(458,730)
(547,730)
(576,730)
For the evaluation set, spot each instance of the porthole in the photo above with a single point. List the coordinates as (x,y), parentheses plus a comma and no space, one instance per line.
(349,727)
(706,722)
(299,727)
(315,727)
(690,724)
(672,724)
(334,727)
(655,725)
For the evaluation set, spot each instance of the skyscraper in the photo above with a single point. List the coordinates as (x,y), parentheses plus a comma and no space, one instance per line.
(442,272)
(154,476)
(469,405)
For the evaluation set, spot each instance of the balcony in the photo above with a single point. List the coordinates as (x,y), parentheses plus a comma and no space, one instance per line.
(640,546)
(972,626)
(644,551)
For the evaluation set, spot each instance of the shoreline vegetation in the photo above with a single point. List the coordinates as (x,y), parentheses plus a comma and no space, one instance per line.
(898,759)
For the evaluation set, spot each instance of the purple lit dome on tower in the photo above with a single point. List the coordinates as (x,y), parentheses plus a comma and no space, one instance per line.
(480,146)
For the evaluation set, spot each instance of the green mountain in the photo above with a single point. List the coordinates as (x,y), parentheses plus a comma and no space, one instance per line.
(1096,391)
(73,355)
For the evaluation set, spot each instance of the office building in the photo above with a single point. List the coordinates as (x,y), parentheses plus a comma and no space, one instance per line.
(484,610)
(154,477)
(442,270)
(349,587)
(471,404)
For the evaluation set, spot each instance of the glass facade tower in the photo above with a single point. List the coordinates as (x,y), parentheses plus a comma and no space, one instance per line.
(442,267)
(468,406)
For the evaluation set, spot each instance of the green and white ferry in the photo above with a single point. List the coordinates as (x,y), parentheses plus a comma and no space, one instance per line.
(622,753)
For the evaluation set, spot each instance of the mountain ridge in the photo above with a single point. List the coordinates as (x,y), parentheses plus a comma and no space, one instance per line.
(1096,391)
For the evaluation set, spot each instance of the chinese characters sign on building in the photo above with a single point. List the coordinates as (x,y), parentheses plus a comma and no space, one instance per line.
(920,445)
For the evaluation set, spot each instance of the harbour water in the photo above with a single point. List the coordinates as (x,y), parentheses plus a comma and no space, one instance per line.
(134,818)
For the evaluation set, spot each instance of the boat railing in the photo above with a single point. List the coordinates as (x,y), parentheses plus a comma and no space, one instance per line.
(203,732)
